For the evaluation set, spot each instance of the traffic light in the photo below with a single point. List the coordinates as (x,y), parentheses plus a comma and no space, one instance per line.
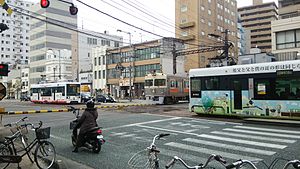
(73,10)
(3,27)
(3,69)
(45,3)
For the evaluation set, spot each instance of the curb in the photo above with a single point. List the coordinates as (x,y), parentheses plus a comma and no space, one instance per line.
(68,110)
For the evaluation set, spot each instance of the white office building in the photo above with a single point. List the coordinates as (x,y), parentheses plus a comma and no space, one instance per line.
(46,36)
(14,42)
(99,69)
(86,43)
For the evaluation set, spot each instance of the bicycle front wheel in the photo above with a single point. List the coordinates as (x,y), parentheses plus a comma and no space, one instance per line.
(45,155)
(4,150)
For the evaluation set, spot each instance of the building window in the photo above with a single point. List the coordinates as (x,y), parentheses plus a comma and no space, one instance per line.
(103,74)
(184,33)
(95,61)
(99,61)
(209,12)
(103,60)
(288,39)
(209,1)
(95,75)
(99,74)
(183,20)
(202,8)
(183,8)
(209,23)
(117,44)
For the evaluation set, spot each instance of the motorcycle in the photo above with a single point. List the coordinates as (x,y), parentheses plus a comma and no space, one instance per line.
(93,139)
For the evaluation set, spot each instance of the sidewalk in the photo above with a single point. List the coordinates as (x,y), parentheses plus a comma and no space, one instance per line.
(281,122)
(62,163)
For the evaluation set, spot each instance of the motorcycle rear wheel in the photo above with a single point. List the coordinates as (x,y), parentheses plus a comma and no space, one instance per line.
(97,146)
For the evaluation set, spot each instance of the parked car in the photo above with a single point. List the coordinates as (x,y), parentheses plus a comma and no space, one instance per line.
(105,98)
(24,98)
(85,97)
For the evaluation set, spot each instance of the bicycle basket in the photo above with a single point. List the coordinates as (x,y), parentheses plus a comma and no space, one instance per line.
(43,133)
(141,160)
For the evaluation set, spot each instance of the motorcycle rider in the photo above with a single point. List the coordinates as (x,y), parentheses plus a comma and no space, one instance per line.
(86,122)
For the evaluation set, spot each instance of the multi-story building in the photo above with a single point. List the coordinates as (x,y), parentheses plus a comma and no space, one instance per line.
(58,67)
(286,31)
(15,41)
(25,80)
(244,44)
(46,36)
(99,68)
(142,58)
(257,18)
(196,20)
(86,43)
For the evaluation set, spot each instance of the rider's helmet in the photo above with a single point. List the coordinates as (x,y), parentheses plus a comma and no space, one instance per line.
(90,104)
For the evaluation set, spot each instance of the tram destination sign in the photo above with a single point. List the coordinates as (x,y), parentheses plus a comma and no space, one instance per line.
(284,72)
(267,68)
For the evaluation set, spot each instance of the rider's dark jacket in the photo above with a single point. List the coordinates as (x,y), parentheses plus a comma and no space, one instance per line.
(87,120)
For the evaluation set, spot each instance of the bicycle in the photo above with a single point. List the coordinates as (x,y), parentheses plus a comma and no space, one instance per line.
(294,163)
(44,154)
(150,155)
(14,127)
(200,166)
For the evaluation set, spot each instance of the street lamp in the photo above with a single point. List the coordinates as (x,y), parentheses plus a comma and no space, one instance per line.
(130,64)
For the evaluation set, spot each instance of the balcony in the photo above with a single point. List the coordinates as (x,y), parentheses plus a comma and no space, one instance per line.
(187,25)
(186,38)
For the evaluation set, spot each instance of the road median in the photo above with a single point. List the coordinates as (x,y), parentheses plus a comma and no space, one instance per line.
(68,109)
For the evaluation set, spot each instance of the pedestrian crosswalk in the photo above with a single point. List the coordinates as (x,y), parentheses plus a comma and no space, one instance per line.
(234,142)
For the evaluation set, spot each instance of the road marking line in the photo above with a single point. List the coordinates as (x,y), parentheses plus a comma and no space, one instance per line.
(141,123)
(209,151)
(117,134)
(127,135)
(255,143)
(232,147)
(263,133)
(268,129)
(168,130)
(254,137)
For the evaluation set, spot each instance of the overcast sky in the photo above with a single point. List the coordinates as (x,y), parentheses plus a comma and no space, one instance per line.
(156,16)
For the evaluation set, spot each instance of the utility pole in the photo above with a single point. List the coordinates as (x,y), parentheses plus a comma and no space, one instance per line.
(174,57)
(226,46)
(59,66)
(130,63)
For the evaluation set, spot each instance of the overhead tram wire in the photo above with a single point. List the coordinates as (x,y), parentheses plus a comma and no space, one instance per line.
(129,23)
(135,16)
(136,6)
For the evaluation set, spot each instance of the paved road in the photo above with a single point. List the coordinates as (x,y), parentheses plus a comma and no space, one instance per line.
(191,138)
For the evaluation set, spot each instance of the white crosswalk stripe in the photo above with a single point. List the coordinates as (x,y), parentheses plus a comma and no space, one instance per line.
(254,143)
(263,133)
(268,129)
(232,147)
(210,151)
(254,137)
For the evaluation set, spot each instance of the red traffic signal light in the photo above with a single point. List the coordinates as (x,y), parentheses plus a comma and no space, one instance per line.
(3,69)
(45,3)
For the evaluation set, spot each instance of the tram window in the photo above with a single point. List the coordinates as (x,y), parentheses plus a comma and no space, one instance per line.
(46,92)
(160,82)
(195,87)
(288,88)
(174,84)
(186,84)
(211,83)
(149,82)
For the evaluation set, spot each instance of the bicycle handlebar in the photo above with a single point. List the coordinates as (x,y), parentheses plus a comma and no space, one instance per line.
(294,163)
(16,123)
(239,163)
(210,158)
(157,137)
